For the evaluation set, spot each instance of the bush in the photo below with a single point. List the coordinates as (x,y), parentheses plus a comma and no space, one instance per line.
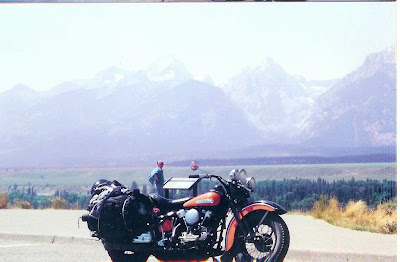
(334,211)
(357,215)
(18,203)
(58,203)
(389,227)
(386,214)
(356,210)
(3,200)
(320,206)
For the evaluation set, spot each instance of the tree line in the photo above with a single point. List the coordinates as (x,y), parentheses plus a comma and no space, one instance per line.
(301,194)
(292,194)
(60,200)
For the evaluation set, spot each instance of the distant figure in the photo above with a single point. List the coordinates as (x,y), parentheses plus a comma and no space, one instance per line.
(156,178)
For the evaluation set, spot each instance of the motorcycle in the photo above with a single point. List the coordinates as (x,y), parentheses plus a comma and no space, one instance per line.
(222,222)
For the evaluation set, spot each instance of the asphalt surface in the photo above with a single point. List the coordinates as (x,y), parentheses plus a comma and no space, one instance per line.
(40,251)
(54,235)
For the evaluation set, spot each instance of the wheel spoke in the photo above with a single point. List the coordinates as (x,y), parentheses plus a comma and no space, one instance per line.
(262,219)
(260,243)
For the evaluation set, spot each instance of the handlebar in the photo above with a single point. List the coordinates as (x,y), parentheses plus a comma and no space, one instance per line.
(200,176)
(220,179)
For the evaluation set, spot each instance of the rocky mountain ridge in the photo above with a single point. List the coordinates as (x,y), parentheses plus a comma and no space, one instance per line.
(129,118)
(360,110)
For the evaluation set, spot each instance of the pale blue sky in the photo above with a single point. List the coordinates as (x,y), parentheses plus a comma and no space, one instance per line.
(42,45)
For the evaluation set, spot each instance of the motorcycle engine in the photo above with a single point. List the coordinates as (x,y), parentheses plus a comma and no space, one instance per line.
(196,231)
(192,216)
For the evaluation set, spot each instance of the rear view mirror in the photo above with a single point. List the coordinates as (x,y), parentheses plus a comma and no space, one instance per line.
(194,165)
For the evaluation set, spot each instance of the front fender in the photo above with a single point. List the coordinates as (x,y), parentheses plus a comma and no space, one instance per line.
(259,205)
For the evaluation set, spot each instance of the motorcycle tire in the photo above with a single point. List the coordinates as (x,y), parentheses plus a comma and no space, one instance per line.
(270,244)
(119,256)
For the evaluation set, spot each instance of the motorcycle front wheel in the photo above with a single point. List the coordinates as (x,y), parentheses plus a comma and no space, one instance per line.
(267,239)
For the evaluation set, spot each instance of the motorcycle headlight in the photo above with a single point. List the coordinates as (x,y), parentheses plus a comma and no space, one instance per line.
(251,183)
(242,176)
(234,174)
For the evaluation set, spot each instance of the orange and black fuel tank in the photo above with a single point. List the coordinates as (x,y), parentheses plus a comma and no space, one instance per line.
(207,199)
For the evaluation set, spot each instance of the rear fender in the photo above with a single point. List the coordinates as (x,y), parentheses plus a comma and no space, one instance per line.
(259,205)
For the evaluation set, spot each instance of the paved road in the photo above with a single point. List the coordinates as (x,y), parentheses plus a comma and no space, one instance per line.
(51,235)
(39,251)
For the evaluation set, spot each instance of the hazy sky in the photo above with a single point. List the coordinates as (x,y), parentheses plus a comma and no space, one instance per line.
(42,45)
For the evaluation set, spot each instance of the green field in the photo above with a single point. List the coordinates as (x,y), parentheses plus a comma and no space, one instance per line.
(329,172)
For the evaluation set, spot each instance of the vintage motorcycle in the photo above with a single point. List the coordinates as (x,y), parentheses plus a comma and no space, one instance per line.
(132,226)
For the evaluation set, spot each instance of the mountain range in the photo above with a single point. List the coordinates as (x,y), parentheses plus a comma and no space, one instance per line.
(360,110)
(133,118)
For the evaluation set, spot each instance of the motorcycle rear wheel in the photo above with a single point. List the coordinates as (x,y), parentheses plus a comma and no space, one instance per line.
(268,240)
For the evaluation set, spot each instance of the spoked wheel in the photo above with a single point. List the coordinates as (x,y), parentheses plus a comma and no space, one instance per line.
(268,239)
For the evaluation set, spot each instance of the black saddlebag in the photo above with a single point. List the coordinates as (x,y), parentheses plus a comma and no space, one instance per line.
(119,215)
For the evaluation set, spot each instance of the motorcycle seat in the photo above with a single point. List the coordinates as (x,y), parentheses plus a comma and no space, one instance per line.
(168,204)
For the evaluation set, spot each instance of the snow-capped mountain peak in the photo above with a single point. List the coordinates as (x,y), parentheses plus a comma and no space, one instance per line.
(117,116)
(168,68)
(20,92)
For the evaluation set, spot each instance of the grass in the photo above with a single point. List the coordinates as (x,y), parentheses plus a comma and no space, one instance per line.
(357,216)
